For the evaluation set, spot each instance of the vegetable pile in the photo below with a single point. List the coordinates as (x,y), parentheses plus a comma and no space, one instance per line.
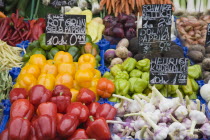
(128,6)
(9,56)
(5,84)
(119,27)
(94,26)
(49,114)
(192,31)
(191,7)
(156,117)
(132,77)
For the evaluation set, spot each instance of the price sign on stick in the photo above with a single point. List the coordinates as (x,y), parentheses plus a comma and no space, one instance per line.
(156,15)
(208,35)
(168,71)
(149,37)
(59,3)
(66,29)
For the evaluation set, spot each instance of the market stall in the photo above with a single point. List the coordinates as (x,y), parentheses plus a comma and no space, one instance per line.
(105,69)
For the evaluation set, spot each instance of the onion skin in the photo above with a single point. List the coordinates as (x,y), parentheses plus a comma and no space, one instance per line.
(118,32)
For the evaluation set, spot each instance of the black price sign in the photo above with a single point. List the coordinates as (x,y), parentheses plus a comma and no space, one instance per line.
(168,71)
(59,3)
(156,15)
(208,35)
(66,29)
(149,37)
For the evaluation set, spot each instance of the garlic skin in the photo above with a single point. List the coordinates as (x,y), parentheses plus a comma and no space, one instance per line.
(181,113)
(206,129)
(82,4)
(178,131)
(187,123)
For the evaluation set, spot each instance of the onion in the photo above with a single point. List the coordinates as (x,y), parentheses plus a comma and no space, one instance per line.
(130,24)
(130,54)
(108,31)
(130,33)
(109,55)
(118,32)
(122,17)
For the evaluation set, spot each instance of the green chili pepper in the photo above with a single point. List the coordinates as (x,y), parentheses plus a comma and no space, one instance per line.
(129,64)
(38,51)
(122,75)
(122,87)
(143,65)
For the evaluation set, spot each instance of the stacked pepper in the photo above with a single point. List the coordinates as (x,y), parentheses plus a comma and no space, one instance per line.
(132,77)
(61,70)
(51,115)
(39,47)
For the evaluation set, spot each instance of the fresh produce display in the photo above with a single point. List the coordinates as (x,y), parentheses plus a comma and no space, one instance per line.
(14,29)
(94,26)
(122,26)
(191,7)
(192,31)
(156,117)
(128,6)
(101,89)
(132,77)
(9,56)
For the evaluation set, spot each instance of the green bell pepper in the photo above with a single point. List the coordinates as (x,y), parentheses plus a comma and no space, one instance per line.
(145,76)
(42,41)
(122,87)
(172,88)
(137,85)
(143,65)
(122,75)
(63,47)
(113,99)
(109,76)
(129,64)
(26,56)
(159,86)
(194,71)
(193,96)
(75,52)
(52,52)
(194,85)
(163,91)
(187,89)
(38,51)
(135,73)
(115,69)
(32,45)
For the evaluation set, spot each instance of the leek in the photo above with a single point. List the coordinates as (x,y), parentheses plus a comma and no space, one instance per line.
(178,9)
(208,7)
(191,7)
(202,6)
(197,7)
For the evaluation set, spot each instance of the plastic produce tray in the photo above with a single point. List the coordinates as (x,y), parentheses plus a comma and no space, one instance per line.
(5,113)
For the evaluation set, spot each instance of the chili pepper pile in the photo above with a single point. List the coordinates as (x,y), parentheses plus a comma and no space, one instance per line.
(49,114)
(14,29)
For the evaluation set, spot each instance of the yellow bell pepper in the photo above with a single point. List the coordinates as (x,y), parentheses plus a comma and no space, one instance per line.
(31,69)
(16,85)
(94,86)
(49,69)
(87,58)
(97,74)
(76,85)
(37,59)
(84,78)
(63,57)
(47,80)
(26,81)
(85,65)
(65,79)
(50,61)
(76,65)
(74,94)
(67,68)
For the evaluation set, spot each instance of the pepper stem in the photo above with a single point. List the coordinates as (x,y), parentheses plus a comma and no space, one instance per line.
(143,97)
(122,97)
(203,108)
(91,118)
(178,92)
(143,130)
(61,93)
(198,104)
(192,127)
